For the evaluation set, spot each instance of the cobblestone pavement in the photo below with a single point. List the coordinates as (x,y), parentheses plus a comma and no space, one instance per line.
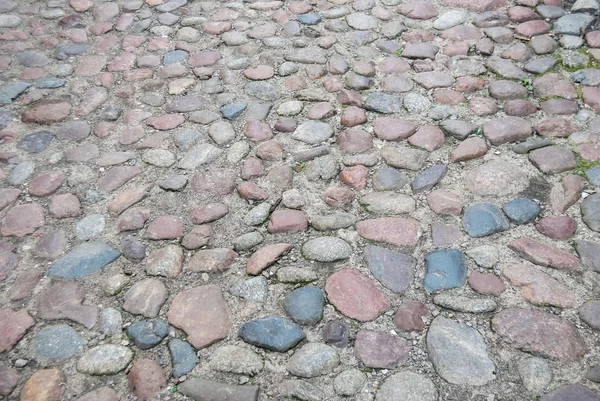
(318,200)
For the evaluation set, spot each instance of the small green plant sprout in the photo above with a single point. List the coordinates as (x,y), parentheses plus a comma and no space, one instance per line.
(526,82)
(399,51)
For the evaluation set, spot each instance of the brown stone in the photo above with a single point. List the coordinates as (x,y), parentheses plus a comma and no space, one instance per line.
(486,283)
(287,221)
(24,284)
(392,230)
(204,326)
(444,202)
(250,191)
(22,220)
(392,129)
(507,129)
(212,260)
(44,385)
(379,349)
(208,213)
(557,227)
(258,131)
(352,116)
(338,196)
(544,254)
(566,193)
(354,295)
(145,298)
(9,379)
(355,176)
(198,237)
(553,159)
(165,227)
(265,257)
(47,111)
(428,137)
(117,176)
(409,316)
(13,326)
(355,140)
(470,148)
(146,378)
(65,205)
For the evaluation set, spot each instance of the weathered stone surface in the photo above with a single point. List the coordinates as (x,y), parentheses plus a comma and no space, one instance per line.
(378,349)
(496,178)
(13,327)
(272,332)
(146,378)
(106,359)
(541,333)
(407,385)
(544,254)
(145,298)
(445,269)
(44,385)
(84,260)
(391,230)
(393,269)
(204,389)
(571,392)
(312,360)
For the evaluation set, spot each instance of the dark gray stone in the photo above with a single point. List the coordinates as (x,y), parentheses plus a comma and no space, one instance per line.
(133,249)
(590,211)
(35,142)
(393,269)
(148,333)
(272,332)
(532,144)
(183,357)
(389,179)
(572,24)
(305,305)
(336,334)
(522,210)
(429,178)
(593,176)
(589,253)
(483,219)
(446,269)
(84,260)
(383,103)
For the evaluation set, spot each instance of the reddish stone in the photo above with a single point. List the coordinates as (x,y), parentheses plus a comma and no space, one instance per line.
(470,148)
(104,129)
(469,84)
(8,262)
(218,183)
(456,49)
(560,106)
(338,196)
(258,131)
(355,176)
(486,283)
(265,257)
(477,5)
(47,112)
(393,65)
(9,379)
(589,151)
(593,39)
(133,219)
(544,254)
(391,129)
(198,237)
(320,111)
(252,168)
(90,65)
(519,107)
(204,326)
(100,394)
(216,28)
(444,235)
(532,28)
(208,213)
(13,326)
(553,159)
(352,116)
(379,349)
(46,183)
(204,58)
(565,194)
(270,150)
(287,221)
(538,287)
(418,9)
(522,14)
(391,230)
(117,176)
(507,129)
(62,300)
(81,5)
(44,385)
(212,260)
(51,245)
(127,199)
(444,202)
(146,378)
(409,316)
(166,121)
(428,137)
(556,127)
(540,333)
(259,73)
(483,106)
(551,85)
(448,96)
(557,227)
(350,97)
(165,227)
(251,191)
(354,295)
(22,220)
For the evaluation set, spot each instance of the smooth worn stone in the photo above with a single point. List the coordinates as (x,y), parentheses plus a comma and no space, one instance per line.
(354,140)
(486,283)
(305,305)
(22,220)
(47,111)
(287,221)
(465,304)
(24,284)
(247,241)
(383,103)
(483,219)
(338,197)
(459,353)
(350,382)
(203,389)
(522,210)
(496,178)
(336,334)
(183,357)
(111,322)
(272,332)
(205,326)
(391,230)
(540,65)
(445,269)
(326,249)
(21,172)
(393,269)
(105,359)
(572,24)
(470,148)
(589,312)
(404,157)
(590,211)
(333,221)
(13,327)
(254,289)
(407,385)
(148,333)
(557,227)
(532,144)
(266,256)
(538,287)
(146,378)
(44,385)
(428,137)
(133,219)
(234,359)
(543,254)
(589,253)
(145,298)
(89,227)
(295,275)
(566,193)
(46,183)
(541,333)
(9,379)
(84,260)
(553,159)
(410,316)
(378,349)
(133,249)
(208,213)
(389,179)
(571,392)
(387,203)
(117,176)
(62,300)
(165,227)
(444,202)
(354,295)
(507,90)
(507,129)
(312,360)
(433,79)
(54,343)
(313,132)
(35,142)
(429,178)
(535,373)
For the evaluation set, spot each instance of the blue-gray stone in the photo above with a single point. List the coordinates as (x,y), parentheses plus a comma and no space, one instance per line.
(183,357)
(111,113)
(32,59)
(573,24)
(590,212)
(174,56)
(389,179)
(258,111)
(233,111)
(186,138)
(446,269)
(272,332)
(5,118)
(21,172)
(58,342)
(65,51)
(309,18)
(305,305)
(11,91)
(148,333)
(429,178)
(393,269)
(593,176)
(83,260)
(50,83)
(383,103)
(522,210)
(483,219)
(35,142)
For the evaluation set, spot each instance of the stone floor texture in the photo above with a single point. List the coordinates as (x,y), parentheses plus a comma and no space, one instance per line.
(388,200)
